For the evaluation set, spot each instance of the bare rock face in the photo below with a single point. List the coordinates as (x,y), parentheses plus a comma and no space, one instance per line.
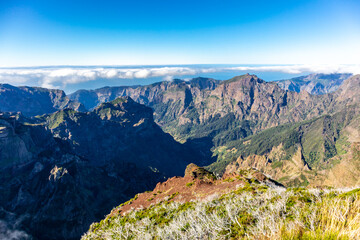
(194,172)
(56,173)
(185,109)
(349,91)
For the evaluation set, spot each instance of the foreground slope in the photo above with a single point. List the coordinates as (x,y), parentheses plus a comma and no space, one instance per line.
(60,172)
(242,205)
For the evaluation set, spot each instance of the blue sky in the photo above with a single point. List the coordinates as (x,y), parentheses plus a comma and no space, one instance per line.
(49,32)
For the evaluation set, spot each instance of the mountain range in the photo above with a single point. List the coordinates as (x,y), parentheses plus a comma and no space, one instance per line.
(66,161)
(206,113)
(316,83)
(32,101)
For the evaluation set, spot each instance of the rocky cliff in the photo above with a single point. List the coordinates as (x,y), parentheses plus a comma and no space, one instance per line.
(321,151)
(307,141)
(208,113)
(60,172)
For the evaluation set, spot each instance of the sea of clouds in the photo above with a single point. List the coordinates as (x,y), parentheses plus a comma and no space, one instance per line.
(60,77)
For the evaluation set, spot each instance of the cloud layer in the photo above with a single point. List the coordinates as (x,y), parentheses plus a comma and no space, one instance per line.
(62,76)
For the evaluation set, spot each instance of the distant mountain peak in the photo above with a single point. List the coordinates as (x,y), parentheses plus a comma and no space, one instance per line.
(124,108)
(315,83)
(31,101)
(350,90)
(246,78)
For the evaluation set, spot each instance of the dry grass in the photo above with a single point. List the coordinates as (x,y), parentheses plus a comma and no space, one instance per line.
(251,212)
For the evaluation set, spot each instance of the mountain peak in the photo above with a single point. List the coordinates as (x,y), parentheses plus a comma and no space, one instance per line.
(121,100)
(124,108)
(315,83)
(204,83)
(246,78)
(349,90)
(119,103)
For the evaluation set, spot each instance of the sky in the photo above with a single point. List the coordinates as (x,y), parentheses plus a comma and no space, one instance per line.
(94,32)
(89,44)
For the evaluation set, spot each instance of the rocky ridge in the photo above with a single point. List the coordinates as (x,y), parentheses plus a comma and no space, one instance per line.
(209,113)
(316,83)
(32,101)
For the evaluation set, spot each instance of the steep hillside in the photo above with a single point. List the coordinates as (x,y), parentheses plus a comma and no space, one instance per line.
(31,101)
(149,95)
(60,172)
(121,130)
(317,83)
(219,121)
(321,151)
(208,113)
(243,205)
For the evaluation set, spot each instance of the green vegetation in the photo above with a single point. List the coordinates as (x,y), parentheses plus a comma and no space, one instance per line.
(192,114)
(220,130)
(229,180)
(119,100)
(189,184)
(253,211)
(320,139)
(54,120)
(277,165)
(342,145)
(262,143)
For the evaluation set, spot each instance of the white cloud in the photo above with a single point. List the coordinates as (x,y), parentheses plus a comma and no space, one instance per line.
(168,78)
(298,69)
(62,76)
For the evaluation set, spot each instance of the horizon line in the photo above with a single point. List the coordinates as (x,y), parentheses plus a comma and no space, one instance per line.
(191,64)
